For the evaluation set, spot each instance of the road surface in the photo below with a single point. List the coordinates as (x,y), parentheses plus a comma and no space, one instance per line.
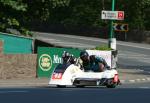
(126,94)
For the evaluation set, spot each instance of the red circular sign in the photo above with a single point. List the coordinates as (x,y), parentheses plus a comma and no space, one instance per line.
(120,15)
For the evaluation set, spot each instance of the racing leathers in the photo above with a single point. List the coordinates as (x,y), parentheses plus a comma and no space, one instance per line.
(95,63)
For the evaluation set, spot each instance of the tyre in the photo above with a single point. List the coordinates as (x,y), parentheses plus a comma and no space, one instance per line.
(61,86)
(111,86)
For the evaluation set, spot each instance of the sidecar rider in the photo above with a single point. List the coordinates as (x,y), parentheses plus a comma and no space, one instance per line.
(93,62)
(67,58)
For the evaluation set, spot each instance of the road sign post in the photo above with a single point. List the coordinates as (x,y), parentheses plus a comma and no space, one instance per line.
(110,43)
(121,27)
(112,15)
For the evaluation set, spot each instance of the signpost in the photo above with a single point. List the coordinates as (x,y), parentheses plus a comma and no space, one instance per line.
(111,25)
(120,27)
(120,15)
(112,15)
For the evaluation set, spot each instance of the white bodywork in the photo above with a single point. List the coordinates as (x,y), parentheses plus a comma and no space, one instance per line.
(74,71)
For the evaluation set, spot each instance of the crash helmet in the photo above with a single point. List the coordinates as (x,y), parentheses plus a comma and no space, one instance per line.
(84,55)
(65,54)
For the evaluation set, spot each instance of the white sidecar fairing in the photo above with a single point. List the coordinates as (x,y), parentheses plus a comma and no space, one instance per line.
(70,74)
(65,74)
(107,78)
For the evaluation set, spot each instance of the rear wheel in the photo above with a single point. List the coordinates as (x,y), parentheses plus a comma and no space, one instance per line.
(111,86)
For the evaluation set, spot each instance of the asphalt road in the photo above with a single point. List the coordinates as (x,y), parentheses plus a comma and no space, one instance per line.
(131,55)
(75,95)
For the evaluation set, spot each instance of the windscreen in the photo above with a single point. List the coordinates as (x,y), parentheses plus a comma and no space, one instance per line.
(61,67)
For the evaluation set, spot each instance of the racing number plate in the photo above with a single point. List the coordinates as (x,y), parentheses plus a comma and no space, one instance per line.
(57,76)
(116,78)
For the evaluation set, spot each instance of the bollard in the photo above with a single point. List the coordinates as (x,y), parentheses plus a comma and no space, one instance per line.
(112,43)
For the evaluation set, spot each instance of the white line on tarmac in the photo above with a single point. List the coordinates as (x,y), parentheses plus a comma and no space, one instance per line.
(143,79)
(148,79)
(132,81)
(138,80)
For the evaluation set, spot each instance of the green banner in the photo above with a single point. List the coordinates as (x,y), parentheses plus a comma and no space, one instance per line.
(49,58)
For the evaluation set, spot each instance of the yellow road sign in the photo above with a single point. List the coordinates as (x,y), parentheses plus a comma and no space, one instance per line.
(120,27)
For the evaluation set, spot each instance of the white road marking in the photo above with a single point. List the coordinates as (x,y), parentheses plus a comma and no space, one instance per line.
(132,81)
(143,79)
(138,80)
(148,79)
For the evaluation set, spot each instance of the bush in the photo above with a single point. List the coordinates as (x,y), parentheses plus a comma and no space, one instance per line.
(103,47)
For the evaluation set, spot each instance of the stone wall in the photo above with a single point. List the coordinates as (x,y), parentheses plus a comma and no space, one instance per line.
(17,66)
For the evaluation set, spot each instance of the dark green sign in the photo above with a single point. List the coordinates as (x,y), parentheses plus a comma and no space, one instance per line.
(49,58)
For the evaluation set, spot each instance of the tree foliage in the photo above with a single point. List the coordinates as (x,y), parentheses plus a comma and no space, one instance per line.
(18,13)
(10,13)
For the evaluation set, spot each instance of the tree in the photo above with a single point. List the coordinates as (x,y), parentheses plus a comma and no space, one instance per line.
(10,13)
(136,13)
(79,12)
(22,14)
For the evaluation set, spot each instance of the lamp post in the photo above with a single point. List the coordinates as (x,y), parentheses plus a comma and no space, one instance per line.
(111,29)
(112,40)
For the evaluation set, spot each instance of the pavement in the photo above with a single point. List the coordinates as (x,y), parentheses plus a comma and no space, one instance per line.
(126,76)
